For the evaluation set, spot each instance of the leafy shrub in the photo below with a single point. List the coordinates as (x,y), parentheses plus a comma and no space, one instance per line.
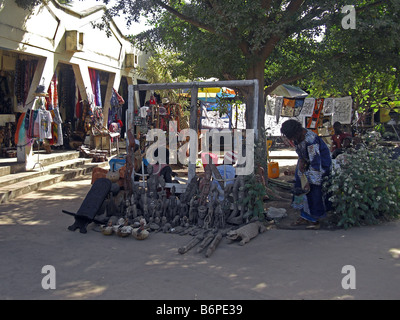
(365,189)
(254,194)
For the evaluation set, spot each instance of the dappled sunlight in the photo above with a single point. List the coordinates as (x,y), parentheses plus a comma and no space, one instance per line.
(21,217)
(155,262)
(79,290)
(34,208)
(260,287)
(395,253)
(344,297)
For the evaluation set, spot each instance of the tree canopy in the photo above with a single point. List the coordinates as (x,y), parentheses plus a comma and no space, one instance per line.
(274,41)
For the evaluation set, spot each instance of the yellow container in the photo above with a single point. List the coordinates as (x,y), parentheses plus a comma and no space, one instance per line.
(273,170)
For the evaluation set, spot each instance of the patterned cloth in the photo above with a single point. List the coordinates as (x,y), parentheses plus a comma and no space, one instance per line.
(315,156)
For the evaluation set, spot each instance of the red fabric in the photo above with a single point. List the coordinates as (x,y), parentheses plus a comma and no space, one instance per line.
(337,140)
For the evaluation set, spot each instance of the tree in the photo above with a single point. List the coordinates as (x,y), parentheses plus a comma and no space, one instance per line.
(164,67)
(274,41)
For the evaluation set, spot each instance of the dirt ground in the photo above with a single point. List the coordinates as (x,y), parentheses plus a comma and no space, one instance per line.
(279,197)
(284,200)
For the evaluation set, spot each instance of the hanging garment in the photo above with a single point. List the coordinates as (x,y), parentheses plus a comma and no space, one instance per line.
(116,99)
(52,98)
(57,119)
(20,123)
(95,81)
(45,121)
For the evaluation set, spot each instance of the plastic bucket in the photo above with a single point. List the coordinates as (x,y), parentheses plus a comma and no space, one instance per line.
(273,170)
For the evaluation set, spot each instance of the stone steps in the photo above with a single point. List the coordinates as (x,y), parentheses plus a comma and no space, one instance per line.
(52,169)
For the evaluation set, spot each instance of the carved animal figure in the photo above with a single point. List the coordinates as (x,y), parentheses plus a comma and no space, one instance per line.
(247,232)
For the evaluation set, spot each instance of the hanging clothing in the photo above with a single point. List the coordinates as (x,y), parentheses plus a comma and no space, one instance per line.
(45,121)
(52,98)
(95,81)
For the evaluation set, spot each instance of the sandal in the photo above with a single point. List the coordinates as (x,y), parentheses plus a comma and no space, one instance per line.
(313,226)
(301,222)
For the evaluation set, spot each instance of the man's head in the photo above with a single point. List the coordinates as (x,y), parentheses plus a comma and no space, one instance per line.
(292,129)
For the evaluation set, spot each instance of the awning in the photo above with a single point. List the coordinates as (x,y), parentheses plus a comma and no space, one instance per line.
(289,91)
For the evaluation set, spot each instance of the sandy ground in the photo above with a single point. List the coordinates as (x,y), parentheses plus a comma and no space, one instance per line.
(277,264)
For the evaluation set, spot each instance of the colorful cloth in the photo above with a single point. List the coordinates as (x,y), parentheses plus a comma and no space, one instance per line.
(288,107)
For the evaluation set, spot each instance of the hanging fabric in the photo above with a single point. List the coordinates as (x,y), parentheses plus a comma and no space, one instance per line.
(313,121)
(24,71)
(298,106)
(52,98)
(95,81)
(20,127)
(288,107)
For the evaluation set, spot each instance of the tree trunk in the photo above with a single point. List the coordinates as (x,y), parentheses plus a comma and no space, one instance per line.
(256,71)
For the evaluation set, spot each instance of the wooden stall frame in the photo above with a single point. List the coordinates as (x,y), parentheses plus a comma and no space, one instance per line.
(194,86)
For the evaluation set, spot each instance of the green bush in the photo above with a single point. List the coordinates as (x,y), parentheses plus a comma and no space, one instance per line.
(254,194)
(365,190)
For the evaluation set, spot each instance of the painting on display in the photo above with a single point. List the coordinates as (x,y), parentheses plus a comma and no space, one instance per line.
(342,108)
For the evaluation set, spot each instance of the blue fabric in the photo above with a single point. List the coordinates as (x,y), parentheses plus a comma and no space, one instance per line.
(316,153)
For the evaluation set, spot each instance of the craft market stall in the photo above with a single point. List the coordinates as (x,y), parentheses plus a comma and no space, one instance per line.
(208,205)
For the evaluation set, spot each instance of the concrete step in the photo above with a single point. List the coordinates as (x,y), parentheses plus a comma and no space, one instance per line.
(42,170)
(14,185)
(11,166)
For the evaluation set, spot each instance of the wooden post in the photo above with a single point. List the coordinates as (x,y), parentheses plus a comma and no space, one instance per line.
(194,126)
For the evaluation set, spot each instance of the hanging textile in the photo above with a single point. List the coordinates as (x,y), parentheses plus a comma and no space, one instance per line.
(24,71)
(278,107)
(328,106)
(308,107)
(287,109)
(52,97)
(313,121)
(116,99)
(342,109)
(5,96)
(95,81)
(20,127)
(298,106)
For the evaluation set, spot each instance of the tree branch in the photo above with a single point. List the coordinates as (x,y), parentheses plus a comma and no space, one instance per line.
(368,6)
(296,77)
(181,16)
(270,45)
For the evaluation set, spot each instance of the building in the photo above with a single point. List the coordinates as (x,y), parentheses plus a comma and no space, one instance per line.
(80,68)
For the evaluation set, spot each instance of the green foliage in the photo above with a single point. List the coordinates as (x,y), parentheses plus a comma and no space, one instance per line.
(273,41)
(161,68)
(366,188)
(253,200)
